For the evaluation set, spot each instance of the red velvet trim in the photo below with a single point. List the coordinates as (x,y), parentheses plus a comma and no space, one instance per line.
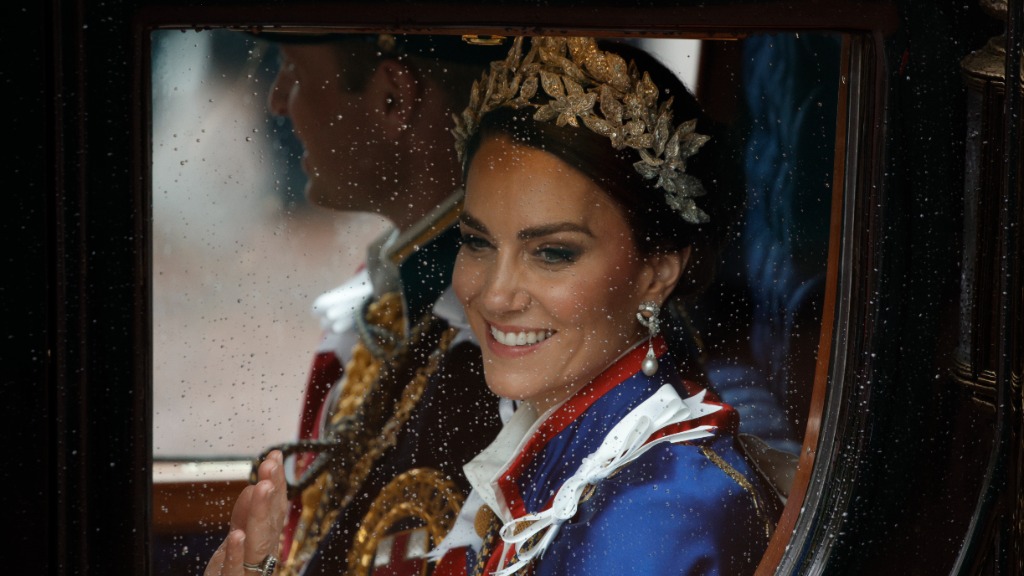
(495,558)
(288,535)
(324,373)
(453,563)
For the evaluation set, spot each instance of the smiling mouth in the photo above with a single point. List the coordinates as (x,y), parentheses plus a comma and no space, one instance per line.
(525,338)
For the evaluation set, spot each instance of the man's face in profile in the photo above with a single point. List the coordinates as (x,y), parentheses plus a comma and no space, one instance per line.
(338,128)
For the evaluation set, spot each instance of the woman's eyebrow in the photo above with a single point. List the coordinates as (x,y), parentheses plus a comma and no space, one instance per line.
(547,229)
(532,232)
(468,219)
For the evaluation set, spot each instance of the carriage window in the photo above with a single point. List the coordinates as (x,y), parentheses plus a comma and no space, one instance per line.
(243,247)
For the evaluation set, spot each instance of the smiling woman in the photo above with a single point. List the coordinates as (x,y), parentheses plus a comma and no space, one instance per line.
(561,279)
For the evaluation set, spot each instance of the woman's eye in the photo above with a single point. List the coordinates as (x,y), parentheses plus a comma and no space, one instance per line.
(474,243)
(557,255)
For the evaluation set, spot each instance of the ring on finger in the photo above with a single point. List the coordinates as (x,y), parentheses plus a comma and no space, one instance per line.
(264,568)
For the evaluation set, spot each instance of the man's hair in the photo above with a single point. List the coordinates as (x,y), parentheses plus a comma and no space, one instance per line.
(447,60)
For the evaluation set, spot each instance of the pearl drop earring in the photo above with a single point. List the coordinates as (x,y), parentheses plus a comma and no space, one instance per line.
(648,317)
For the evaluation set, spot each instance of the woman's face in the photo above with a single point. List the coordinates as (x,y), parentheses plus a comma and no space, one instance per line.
(548,273)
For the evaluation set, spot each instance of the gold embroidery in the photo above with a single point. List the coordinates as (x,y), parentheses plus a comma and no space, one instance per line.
(421,495)
(298,553)
(483,520)
(744,483)
(590,489)
(363,369)
(362,423)
(411,395)
(491,540)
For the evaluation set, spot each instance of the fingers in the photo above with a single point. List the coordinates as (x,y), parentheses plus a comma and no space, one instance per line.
(257,521)
(267,510)
(281,505)
(227,560)
(235,545)
(240,513)
(272,470)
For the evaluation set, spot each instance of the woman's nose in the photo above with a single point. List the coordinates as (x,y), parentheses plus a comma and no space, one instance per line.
(504,290)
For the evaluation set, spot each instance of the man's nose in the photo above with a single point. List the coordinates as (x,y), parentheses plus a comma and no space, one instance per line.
(277,97)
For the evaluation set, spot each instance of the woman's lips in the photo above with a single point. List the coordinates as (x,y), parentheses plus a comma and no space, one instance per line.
(519,337)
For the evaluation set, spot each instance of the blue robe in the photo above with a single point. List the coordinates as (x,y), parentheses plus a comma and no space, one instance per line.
(694,508)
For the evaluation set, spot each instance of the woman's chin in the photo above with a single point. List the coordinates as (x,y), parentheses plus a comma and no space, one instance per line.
(518,385)
(507,386)
(528,387)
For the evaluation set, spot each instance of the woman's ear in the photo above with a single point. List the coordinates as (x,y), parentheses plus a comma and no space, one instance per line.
(666,268)
(395,92)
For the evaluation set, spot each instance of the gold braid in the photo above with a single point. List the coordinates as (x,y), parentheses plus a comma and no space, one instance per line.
(759,507)
(488,526)
(369,384)
(411,395)
(490,533)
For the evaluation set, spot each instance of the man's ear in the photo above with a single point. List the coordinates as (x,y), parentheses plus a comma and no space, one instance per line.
(395,93)
(665,271)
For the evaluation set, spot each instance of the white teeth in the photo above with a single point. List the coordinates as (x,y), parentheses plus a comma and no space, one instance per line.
(520,338)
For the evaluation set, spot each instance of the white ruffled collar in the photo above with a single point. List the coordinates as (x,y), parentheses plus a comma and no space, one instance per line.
(336,309)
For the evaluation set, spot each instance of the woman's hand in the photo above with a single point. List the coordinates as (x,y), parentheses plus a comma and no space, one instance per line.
(257,521)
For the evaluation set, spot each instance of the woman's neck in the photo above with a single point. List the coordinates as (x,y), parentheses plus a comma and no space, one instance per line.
(546,403)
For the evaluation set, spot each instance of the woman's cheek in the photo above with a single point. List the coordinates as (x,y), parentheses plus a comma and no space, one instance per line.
(573,301)
(463,277)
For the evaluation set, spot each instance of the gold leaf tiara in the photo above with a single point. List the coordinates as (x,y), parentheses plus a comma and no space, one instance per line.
(569,80)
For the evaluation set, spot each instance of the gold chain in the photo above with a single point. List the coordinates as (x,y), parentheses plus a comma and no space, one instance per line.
(411,395)
(321,506)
